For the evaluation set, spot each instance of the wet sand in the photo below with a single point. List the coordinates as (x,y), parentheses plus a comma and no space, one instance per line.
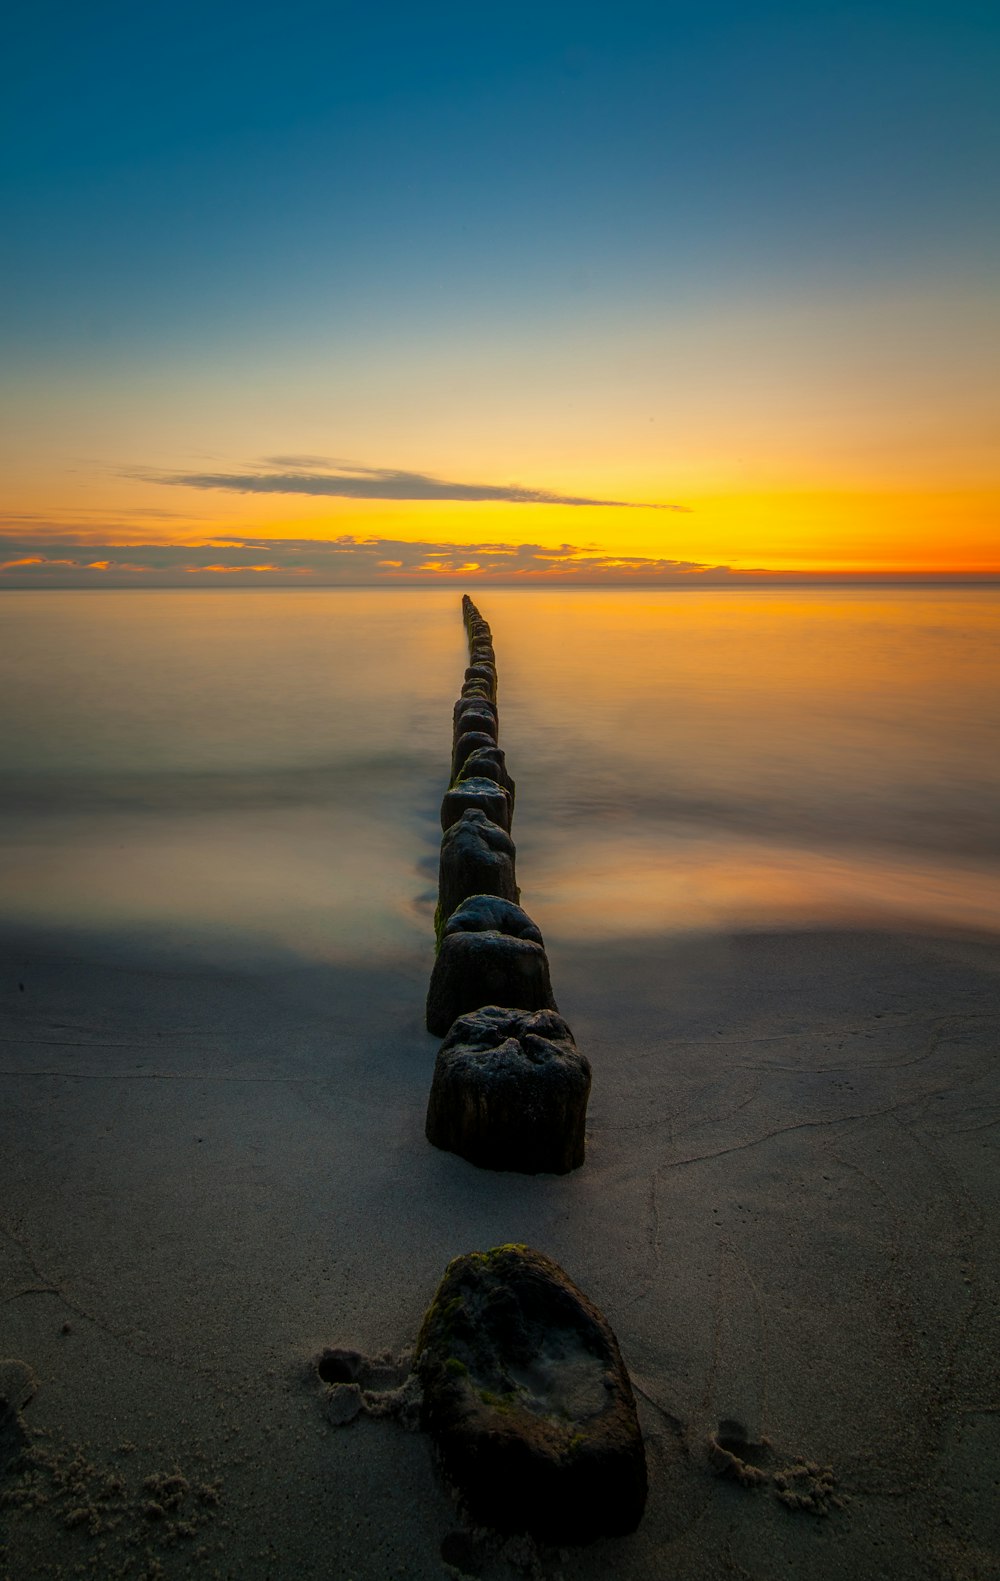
(788,1214)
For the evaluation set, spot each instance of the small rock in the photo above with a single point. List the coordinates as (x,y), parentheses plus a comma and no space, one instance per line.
(486,967)
(510,1091)
(528,1401)
(477,858)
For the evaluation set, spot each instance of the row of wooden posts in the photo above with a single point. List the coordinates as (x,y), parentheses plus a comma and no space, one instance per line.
(510,1086)
(560,1455)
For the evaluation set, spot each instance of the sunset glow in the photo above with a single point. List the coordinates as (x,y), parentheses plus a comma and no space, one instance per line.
(485,287)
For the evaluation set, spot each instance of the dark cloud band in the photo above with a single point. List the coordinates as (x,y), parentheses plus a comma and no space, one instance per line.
(43,559)
(346,560)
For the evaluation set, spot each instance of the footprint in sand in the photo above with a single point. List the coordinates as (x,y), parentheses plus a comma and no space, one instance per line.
(799,1484)
(356,1384)
(734,1454)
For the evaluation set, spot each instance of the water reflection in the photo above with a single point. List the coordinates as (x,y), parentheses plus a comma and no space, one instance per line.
(270,764)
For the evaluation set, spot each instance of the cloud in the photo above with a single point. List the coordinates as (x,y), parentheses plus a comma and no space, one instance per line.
(82,526)
(232,560)
(318,477)
(344,560)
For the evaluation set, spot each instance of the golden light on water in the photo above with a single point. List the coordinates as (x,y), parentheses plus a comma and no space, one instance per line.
(273,764)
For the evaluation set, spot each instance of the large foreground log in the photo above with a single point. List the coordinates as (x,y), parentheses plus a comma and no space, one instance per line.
(528,1401)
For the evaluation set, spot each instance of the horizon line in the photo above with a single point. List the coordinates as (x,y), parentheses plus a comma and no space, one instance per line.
(736,581)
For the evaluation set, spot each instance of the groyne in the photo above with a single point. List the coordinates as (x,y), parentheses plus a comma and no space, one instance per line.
(510,1086)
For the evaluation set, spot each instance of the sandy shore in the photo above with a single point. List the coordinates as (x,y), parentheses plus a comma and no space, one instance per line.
(788,1214)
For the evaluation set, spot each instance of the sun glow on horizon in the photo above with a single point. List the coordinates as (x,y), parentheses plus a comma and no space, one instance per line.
(530,310)
(818,533)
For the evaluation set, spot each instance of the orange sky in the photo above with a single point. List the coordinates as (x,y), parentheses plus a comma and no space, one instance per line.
(849,433)
(694,290)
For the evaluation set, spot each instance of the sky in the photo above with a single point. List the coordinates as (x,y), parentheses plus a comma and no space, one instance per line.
(664,293)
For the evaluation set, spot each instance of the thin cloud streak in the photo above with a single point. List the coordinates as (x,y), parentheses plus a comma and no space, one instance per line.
(313,476)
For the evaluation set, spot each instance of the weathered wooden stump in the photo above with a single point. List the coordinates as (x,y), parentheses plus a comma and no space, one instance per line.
(477,858)
(477,717)
(528,1401)
(473,704)
(478,688)
(486,675)
(486,967)
(488,763)
(473,791)
(483,913)
(470,741)
(510,1092)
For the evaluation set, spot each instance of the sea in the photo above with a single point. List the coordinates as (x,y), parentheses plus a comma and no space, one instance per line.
(250,774)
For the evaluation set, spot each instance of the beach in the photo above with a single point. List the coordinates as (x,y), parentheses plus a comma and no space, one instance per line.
(215,1073)
(786,1214)
(499,789)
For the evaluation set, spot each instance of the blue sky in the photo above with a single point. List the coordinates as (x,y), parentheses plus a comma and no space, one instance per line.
(175,168)
(313,200)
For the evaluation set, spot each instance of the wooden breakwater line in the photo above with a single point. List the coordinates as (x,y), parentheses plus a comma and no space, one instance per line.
(522,1386)
(510,1087)
(510,1092)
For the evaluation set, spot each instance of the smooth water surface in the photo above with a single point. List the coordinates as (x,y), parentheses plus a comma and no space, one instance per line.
(251,770)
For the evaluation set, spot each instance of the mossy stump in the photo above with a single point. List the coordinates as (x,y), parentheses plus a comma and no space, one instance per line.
(528,1401)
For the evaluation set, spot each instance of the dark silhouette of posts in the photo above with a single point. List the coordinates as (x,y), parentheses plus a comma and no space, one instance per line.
(510,1087)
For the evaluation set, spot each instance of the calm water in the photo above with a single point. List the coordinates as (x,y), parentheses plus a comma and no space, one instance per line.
(248,771)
